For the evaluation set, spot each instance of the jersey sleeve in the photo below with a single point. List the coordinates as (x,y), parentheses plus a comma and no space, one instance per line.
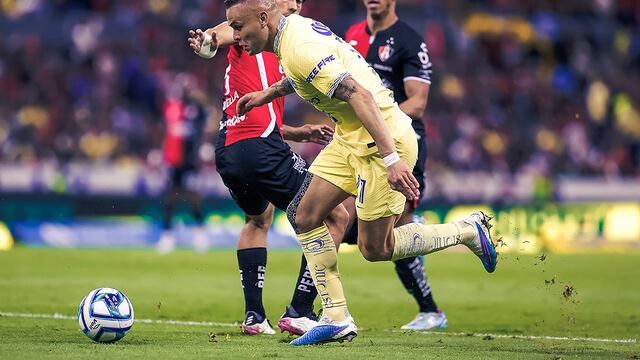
(350,33)
(319,65)
(416,62)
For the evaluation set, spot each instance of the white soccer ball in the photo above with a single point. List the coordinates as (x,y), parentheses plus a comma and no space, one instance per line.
(105,315)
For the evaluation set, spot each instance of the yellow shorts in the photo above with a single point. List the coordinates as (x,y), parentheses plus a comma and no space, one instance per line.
(366,176)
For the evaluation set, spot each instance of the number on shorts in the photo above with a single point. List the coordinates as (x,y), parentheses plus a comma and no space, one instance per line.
(360,184)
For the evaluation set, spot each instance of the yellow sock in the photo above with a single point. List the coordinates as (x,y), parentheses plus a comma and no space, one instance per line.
(417,239)
(322,258)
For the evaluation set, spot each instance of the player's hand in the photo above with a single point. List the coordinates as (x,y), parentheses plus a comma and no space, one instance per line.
(250,101)
(196,39)
(401,179)
(319,134)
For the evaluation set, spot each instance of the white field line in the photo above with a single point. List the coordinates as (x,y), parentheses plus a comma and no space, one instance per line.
(524,337)
(144,321)
(458,334)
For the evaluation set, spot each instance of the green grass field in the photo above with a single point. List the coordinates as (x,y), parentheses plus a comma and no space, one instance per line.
(527,296)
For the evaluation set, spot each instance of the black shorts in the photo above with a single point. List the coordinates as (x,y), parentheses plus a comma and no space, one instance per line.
(179,175)
(420,168)
(260,171)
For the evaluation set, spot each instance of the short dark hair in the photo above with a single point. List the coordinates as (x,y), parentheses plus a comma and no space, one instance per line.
(265,3)
(230,3)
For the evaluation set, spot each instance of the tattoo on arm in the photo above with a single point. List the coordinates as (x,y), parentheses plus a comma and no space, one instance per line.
(283,87)
(345,90)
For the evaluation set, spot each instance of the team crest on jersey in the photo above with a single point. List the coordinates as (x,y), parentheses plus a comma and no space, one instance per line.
(385,52)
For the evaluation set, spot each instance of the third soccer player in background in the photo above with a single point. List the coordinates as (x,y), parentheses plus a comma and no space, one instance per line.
(399,55)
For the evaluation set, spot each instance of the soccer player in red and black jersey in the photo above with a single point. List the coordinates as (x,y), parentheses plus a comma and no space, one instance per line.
(399,55)
(185,117)
(261,171)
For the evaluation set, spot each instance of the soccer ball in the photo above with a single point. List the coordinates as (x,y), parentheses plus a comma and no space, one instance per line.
(105,315)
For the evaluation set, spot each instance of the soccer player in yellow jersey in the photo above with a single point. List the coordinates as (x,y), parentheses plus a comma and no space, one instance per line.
(371,156)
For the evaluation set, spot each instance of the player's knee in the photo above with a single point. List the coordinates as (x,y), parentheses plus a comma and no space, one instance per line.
(301,221)
(305,222)
(260,222)
(257,224)
(374,252)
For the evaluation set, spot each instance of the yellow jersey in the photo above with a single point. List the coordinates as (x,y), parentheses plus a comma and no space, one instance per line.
(315,61)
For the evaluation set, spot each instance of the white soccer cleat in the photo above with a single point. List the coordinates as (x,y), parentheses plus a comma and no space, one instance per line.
(481,244)
(427,321)
(253,325)
(328,331)
(296,324)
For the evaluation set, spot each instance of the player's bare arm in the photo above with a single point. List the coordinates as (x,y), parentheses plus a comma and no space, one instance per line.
(319,134)
(364,105)
(417,98)
(220,36)
(259,98)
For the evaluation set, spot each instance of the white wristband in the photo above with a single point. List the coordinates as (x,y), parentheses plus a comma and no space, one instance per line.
(205,49)
(391,159)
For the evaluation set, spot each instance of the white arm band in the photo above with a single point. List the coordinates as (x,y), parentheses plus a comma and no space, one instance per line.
(391,159)
(205,49)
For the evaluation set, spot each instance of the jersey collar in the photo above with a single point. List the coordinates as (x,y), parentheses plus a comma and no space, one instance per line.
(276,41)
(368,31)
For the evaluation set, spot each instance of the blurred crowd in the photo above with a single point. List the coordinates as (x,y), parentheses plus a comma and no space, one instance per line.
(529,86)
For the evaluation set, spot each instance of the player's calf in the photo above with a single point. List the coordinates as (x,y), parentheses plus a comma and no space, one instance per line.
(337,223)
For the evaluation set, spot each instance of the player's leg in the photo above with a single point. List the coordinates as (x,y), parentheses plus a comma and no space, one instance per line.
(337,222)
(279,177)
(411,271)
(323,192)
(252,263)
(296,317)
(351,234)
(379,241)
(252,256)
(194,199)
(167,242)
(306,213)
(417,239)
(252,250)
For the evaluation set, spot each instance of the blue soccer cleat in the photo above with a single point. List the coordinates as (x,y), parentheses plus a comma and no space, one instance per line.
(328,331)
(481,244)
